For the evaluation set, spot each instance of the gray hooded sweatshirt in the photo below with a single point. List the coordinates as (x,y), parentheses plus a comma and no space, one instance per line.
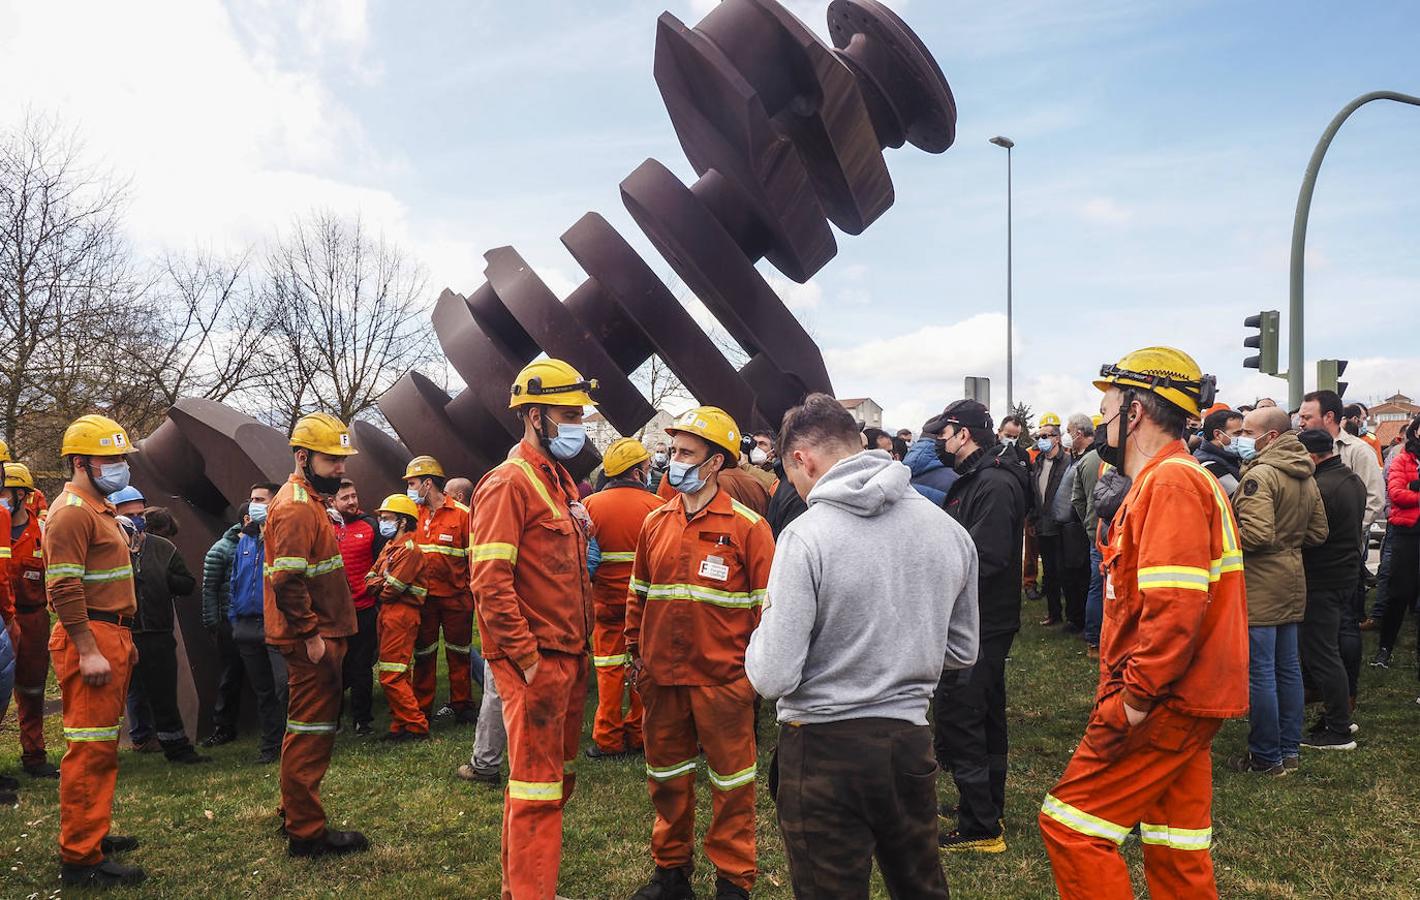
(871,595)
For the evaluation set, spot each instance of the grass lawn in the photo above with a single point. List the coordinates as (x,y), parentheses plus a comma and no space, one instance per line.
(1343,826)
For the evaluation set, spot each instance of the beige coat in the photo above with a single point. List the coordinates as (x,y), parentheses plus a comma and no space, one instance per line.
(1279,511)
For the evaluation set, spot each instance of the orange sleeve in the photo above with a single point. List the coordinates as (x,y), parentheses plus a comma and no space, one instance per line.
(495,537)
(636,591)
(66,541)
(289,536)
(406,568)
(8,566)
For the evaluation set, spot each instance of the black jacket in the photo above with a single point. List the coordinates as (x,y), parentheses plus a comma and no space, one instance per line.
(161,577)
(1336,563)
(1218,462)
(988,499)
(1040,516)
(785,506)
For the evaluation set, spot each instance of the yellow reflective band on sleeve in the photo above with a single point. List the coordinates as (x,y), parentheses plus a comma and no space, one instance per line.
(535,790)
(444,550)
(619,557)
(640,586)
(1232,561)
(298,727)
(489,552)
(1185,577)
(458,648)
(425,651)
(72,500)
(326,566)
(730,782)
(744,511)
(1078,820)
(108,733)
(287,564)
(57,571)
(418,591)
(396,583)
(700,594)
(537,484)
(4,552)
(383,666)
(103,576)
(606,662)
(1176,838)
(666,773)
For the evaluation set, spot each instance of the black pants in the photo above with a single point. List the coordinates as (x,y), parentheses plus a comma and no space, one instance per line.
(1051,548)
(229,684)
(849,792)
(1348,637)
(972,739)
(1321,655)
(156,671)
(358,674)
(249,636)
(1404,582)
(1075,584)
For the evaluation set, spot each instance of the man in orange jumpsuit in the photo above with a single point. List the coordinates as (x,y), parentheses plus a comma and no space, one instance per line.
(30,628)
(617,512)
(738,483)
(36,502)
(534,601)
(89,580)
(442,538)
(308,615)
(697,587)
(397,580)
(1173,650)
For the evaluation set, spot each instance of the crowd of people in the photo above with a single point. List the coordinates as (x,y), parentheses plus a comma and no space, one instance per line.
(869,584)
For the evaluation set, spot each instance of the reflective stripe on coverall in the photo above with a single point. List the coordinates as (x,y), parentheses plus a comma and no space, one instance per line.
(442,540)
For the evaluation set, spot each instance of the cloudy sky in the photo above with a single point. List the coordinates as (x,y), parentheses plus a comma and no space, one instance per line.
(1160,146)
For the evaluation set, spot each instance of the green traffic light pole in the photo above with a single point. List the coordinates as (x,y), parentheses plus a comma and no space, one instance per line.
(1295,354)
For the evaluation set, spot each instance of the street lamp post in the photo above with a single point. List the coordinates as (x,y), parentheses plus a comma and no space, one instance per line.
(1295,351)
(1007,143)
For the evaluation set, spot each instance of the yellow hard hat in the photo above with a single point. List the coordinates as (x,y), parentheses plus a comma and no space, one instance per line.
(1165,371)
(401,504)
(4,452)
(1096,419)
(423,467)
(711,423)
(95,436)
(17,475)
(622,455)
(1050,419)
(551,382)
(322,433)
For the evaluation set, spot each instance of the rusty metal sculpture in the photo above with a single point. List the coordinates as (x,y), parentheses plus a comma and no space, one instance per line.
(786,134)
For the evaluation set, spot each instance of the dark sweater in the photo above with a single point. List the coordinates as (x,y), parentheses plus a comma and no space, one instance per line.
(1336,563)
(162,577)
(988,499)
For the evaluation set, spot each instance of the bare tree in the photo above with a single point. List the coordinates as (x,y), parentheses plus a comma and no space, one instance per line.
(68,296)
(345,318)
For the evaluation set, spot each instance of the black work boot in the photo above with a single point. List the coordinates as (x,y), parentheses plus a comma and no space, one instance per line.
(106,874)
(118,843)
(667,884)
(9,783)
(332,843)
(183,753)
(728,890)
(43,769)
(218,737)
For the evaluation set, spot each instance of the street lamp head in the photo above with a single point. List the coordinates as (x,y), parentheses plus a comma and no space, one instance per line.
(1000,141)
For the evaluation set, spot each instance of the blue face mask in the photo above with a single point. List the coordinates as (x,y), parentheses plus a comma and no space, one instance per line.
(140,524)
(388,528)
(257,512)
(685,477)
(111,478)
(1044,445)
(1246,446)
(1231,447)
(413,494)
(569,441)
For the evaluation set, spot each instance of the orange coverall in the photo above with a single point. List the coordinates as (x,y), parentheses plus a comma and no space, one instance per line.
(442,538)
(31,621)
(89,581)
(736,482)
(397,581)
(307,594)
(1174,643)
(617,512)
(697,589)
(533,599)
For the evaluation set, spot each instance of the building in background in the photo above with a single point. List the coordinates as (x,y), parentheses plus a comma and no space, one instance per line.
(865,410)
(1388,418)
(601,433)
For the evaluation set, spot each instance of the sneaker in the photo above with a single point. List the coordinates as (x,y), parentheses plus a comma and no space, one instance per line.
(468,773)
(1382,659)
(105,874)
(1326,739)
(667,884)
(1247,763)
(219,737)
(1049,622)
(332,843)
(956,842)
(728,890)
(444,712)
(45,769)
(1292,763)
(150,745)
(364,729)
(118,843)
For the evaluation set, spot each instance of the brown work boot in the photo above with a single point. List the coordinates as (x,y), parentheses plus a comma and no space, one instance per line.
(468,773)
(1369,624)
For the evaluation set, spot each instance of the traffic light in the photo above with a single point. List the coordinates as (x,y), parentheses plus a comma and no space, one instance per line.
(978,389)
(1268,324)
(1328,375)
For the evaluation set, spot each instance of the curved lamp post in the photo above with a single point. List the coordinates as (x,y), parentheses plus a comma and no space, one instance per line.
(1295,354)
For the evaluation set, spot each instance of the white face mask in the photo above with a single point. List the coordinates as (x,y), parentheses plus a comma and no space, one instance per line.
(758,456)
(1067,440)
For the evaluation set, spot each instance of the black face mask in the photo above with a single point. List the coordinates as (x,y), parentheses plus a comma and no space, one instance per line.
(1107,452)
(322,484)
(947,459)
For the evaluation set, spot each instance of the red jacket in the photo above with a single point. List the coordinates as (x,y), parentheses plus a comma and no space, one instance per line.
(360,545)
(1175,604)
(528,560)
(1404,501)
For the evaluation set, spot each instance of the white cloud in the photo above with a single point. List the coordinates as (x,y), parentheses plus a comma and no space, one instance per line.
(798,297)
(1106,211)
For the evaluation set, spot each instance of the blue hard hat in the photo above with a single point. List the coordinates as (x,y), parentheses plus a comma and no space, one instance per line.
(126,495)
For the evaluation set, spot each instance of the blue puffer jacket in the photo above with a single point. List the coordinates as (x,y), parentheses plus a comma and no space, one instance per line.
(929,476)
(7,667)
(247,586)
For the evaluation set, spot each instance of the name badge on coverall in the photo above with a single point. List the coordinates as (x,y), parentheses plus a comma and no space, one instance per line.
(714,568)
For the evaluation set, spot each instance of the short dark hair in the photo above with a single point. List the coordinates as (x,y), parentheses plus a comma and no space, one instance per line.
(872,433)
(820,419)
(243,511)
(765,432)
(1170,418)
(1327,402)
(1218,421)
(346,482)
(268,486)
(1012,420)
(899,446)
(157,520)
(1355,409)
